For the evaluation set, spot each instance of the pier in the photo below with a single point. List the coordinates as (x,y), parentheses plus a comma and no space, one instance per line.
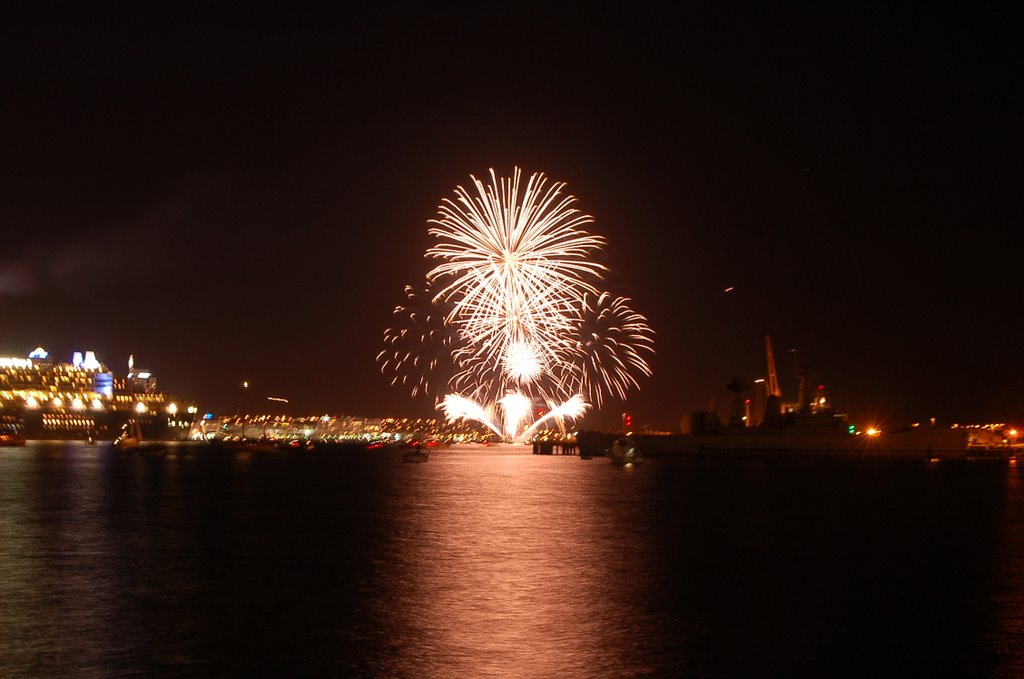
(556,448)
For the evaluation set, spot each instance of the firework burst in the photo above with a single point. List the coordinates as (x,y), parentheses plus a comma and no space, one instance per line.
(513,313)
(419,349)
(614,344)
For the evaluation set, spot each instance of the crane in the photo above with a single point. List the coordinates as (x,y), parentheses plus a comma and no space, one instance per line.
(773,378)
(773,400)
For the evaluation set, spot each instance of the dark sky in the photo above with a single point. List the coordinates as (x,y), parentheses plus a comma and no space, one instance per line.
(245,196)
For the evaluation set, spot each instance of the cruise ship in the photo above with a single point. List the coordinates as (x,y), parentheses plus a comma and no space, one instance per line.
(48,399)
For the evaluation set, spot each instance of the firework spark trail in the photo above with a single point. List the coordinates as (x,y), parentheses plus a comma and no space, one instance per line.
(419,351)
(456,407)
(498,252)
(615,341)
(516,408)
(516,284)
(573,408)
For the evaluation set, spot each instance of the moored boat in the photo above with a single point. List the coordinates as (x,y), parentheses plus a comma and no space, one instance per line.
(130,440)
(10,439)
(417,454)
(624,451)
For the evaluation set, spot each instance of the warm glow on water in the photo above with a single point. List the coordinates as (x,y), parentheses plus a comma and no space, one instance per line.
(493,562)
(517,577)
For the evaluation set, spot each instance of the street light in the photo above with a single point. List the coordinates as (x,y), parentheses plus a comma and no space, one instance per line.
(241,398)
(760,399)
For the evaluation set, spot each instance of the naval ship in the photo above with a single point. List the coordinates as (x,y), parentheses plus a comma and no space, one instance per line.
(807,425)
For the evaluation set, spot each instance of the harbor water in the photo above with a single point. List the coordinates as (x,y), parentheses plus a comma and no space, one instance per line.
(494,562)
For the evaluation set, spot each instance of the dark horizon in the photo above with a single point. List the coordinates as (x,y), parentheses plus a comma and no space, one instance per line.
(245,198)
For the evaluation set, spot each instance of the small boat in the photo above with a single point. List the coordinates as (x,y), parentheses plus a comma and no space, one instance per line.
(130,440)
(11,439)
(416,454)
(625,452)
(251,446)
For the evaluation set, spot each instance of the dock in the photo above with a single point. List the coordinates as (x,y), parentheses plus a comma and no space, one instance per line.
(556,448)
(927,445)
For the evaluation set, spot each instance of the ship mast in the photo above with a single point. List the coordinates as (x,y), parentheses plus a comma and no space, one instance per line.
(773,378)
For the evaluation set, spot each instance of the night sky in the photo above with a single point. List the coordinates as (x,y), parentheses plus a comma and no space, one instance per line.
(245,196)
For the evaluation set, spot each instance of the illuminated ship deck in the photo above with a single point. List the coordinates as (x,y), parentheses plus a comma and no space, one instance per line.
(82,399)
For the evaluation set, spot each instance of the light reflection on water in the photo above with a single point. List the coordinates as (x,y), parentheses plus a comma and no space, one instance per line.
(496,562)
(1009,597)
(522,577)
